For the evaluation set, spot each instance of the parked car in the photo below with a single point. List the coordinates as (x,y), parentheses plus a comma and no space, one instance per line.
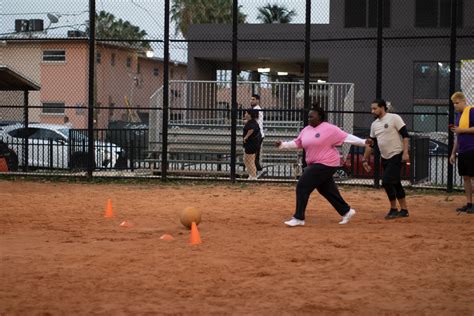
(352,165)
(57,146)
(132,137)
(437,148)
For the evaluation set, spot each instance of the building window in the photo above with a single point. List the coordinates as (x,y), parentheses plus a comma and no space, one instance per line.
(431,95)
(129,62)
(98,58)
(112,59)
(156,72)
(54,55)
(53,108)
(363,13)
(431,80)
(436,13)
(431,118)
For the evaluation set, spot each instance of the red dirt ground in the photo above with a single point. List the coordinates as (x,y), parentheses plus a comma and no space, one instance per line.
(60,256)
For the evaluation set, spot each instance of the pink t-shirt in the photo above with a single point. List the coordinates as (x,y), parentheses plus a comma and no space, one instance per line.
(319,144)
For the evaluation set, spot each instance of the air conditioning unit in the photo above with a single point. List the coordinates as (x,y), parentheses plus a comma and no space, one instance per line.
(21,25)
(36,25)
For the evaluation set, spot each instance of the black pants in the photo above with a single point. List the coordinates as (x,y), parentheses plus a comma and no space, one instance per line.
(257,156)
(392,169)
(318,177)
(391,180)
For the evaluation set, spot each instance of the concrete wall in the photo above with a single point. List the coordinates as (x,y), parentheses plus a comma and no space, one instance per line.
(65,82)
(19,57)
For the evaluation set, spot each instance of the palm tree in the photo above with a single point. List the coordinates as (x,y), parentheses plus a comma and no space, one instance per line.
(187,12)
(109,27)
(275,14)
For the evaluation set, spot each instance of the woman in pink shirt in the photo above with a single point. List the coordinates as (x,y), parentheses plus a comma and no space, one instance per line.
(319,140)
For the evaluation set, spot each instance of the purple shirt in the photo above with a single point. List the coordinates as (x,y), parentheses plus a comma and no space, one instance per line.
(465,141)
(319,144)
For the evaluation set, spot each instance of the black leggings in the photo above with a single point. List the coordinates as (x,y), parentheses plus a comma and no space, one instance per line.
(391,180)
(394,191)
(318,176)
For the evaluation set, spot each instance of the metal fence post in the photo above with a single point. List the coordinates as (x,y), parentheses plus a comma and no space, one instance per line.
(307,60)
(233,130)
(166,62)
(452,87)
(25,139)
(378,88)
(91,98)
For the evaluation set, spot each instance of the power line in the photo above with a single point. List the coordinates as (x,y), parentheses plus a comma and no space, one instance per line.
(147,12)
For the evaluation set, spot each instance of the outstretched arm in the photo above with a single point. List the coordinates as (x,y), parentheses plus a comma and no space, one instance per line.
(286,145)
(354,140)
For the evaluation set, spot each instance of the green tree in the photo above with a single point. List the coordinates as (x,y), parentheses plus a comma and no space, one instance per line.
(109,27)
(269,14)
(187,12)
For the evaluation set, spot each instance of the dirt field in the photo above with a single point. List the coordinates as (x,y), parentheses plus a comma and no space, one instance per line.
(60,256)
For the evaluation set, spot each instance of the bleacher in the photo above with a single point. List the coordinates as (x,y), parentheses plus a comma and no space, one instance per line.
(206,149)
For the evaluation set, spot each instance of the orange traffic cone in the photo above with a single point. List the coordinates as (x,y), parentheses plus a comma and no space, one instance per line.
(126,224)
(3,165)
(108,209)
(166,237)
(195,237)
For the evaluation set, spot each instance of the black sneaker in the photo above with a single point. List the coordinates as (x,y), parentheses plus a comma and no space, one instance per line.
(403,213)
(393,213)
(464,208)
(470,210)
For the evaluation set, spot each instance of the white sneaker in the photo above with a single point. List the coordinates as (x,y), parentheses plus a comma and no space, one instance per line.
(294,222)
(346,218)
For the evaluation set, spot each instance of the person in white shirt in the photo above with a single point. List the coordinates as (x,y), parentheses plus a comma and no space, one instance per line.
(391,135)
(255,104)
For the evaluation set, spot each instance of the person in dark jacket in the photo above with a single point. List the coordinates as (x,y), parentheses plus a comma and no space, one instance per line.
(251,141)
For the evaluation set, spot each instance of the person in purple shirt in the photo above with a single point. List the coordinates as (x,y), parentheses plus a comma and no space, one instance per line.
(464,146)
(319,140)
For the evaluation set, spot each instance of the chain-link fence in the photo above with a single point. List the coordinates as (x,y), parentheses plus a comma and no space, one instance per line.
(160,88)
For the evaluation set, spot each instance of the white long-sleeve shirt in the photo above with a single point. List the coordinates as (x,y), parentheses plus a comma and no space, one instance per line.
(260,118)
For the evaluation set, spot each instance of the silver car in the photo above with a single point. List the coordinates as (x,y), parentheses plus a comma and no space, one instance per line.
(57,147)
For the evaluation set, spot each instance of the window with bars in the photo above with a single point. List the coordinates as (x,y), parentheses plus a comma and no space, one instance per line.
(54,55)
(53,107)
